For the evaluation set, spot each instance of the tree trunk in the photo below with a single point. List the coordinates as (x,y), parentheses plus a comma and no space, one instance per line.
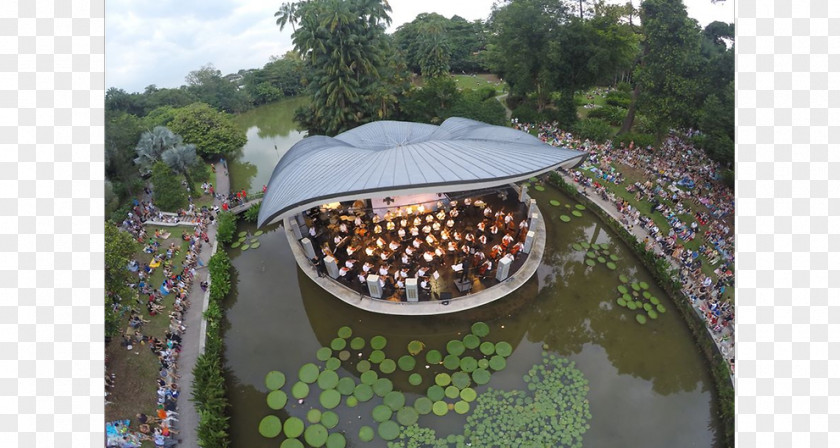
(631,113)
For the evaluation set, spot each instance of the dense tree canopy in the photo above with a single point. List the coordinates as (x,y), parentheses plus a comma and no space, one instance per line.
(212,132)
(279,78)
(209,86)
(120,247)
(453,43)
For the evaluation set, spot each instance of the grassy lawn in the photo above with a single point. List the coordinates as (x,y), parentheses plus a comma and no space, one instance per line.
(137,369)
(479,81)
(597,100)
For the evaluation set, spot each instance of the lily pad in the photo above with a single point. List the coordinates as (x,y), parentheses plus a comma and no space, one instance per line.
(533,179)
(631,305)
(323,353)
(363,392)
(352,401)
(346,385)
(451,392)
(577,246)
(554,202)
(315,435)
(308,373)
(345,332)
(406,363)
(585,245)
(580,207)
(258,233)
(504,349)
(647,295)
(235,244)
(381,413)
(338,344)
(255,244)
(363,366)
(433,357)
(276,399)
(388,430)
(481,376)
(602,260)
(344,355)
(243,233)
(394,400)
(461,379)
(440,408)
(387,366)
(647,307)
(654,300)
(660,308)
(641,319)
(455,347)
(451,362)
(577,213)
(382,386)
(376,356)
(407,416)
(620,302)
(291,443)
(623,279)
(332,364)
(590,254)
(462,407)
(246,246)
(415,347)
(644,285)
(366,434)
(468,394)
(471,341)
(622,289)
(293,427)
(313,415)
(565,218)
(653,314)
(590,262)
(357,343)
(423,405)
(330,398)
(415,379)
(635,286)
(329,419)
(336,440)
(613,257)
(369,377)
(300,390)
(480,329)
(468,364)
(270,426)
(275,380)
(539,188)
(443,379)
(328,379)
(378,342)
(487,348)
(435,393)
(497,363)
(611,266)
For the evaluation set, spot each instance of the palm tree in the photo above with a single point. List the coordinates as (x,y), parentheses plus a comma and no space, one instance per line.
(180,159)
(153,143)
(286,14)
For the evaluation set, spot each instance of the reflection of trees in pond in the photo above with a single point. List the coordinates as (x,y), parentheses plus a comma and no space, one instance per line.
(273,120)
(241,174)
(249,407)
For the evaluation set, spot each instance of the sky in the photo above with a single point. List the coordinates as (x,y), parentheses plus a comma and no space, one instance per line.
(160,42)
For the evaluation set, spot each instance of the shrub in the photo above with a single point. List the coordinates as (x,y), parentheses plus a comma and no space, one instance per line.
(227,227)
(593,129)
(640,140)
(169,194)
(618,98)
(526,113)
(624,87)
(611,114)
(252,213)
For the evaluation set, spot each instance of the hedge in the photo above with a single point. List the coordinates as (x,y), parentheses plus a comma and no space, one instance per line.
(668,278)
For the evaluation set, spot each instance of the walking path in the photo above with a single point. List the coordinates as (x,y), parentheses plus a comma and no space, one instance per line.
(191,345)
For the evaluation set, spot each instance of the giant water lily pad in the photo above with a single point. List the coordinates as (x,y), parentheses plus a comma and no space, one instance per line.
(300,390)
(613,257)
(483,363)
(338,344)
(394,400)
(308,373)
(565,218)
(481,376)
(487,348)
(276,399)
(346,385)
(415,379)
(471,341)
(580,207)
(255,244)
(468,364)
(270,426)
(328,379)
(376,356)
(382,386)
(388,430)
(443,379)
(332,364)
(641,319)
(653,314)
(480,329)
(378,342)
(387,366)
(336,440)
(468,394)
(585,245)
(275,380)
(455,347)
(291,443)
(623,279)
(381,413)
(635,286)
(423,405)
(497,363)
(242,233)
(590,262)
(660,308)
(647,307)
(631,305)
(406,363)
(363,392)
(622,289)
(654,300)
(591,254)
(440,408)
(462,407)
(433,357)
(369,377)
(647,295)
(577,213)
(602,260)
(451,392)
(415,347)
(345,332)
(407,416)
(644,285)
(235,244)
(357,343)
(313,415)
(330,398)
(352,401)
(554,202)
(323,353)
(246,246)
(363,366)
(343,355)
(577,246)
(539,188)
(451,362)
(293,427)
(504,349)
(258,233)
(329,419)
(435,393)
(611,266)
(315,435)
(461,379)
(366,434)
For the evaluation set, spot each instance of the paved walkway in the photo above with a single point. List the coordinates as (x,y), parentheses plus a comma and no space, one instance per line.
(188,416)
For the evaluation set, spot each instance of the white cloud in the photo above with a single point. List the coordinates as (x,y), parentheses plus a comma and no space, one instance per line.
(160,42)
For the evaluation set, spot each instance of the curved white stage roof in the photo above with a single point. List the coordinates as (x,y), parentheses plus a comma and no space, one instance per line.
(398,158)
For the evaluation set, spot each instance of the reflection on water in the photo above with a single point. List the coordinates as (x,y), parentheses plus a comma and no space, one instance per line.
(649,385)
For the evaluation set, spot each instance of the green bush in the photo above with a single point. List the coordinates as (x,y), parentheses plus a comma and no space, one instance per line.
(611,114)
(593,129)
(526,113)
(252,213)
(624,87)
(639,140)
(227,227)
(728,178)
(169,194)
(618,98)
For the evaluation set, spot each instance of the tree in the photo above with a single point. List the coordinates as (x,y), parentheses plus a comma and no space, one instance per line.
(208,85)
(212,132)
(434,50)
(181,159)
(120,248)
(342,43)
(169,193)
(153,143)
(122,131)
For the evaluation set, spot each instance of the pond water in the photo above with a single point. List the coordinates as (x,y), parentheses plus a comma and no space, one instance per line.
(648,384)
